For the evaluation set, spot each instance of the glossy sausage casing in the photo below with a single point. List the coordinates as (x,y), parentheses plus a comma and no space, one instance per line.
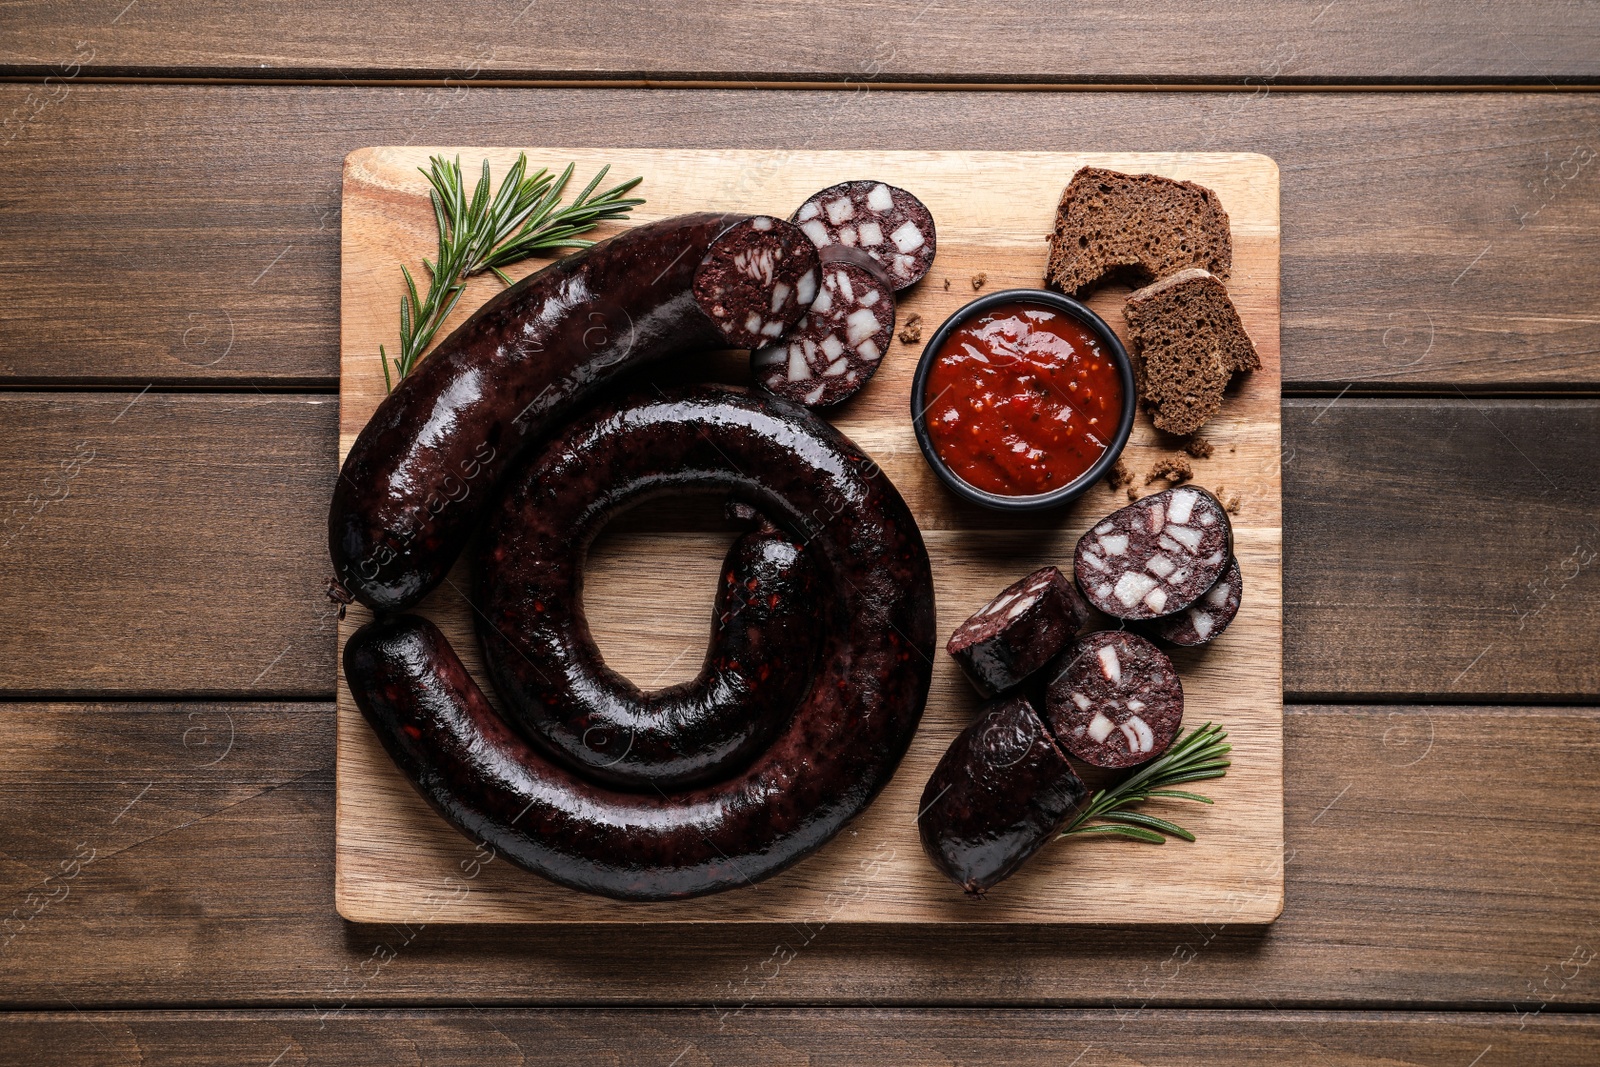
(826,764)
(423,470)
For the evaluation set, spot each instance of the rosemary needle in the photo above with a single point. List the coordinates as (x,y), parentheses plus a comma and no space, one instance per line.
(1193,758)
(488,233)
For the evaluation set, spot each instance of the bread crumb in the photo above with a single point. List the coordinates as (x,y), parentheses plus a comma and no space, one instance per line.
(1133,494)
(947,285)
(1199,448)
(1119,475)
(1175,469)
(1228,499)
(911,331)
(978,279)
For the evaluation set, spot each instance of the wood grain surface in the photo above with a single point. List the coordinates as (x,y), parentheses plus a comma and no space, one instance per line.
(1420,872)
(835,1037)
(397,861)
(776,41)
(1429,241)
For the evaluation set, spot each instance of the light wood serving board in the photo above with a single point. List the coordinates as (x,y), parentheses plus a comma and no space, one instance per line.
(651,579)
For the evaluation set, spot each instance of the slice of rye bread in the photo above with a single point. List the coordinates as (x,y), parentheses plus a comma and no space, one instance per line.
(1141,224)
(1187,341)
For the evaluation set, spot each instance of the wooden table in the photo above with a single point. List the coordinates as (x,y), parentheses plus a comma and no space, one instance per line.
(168,348)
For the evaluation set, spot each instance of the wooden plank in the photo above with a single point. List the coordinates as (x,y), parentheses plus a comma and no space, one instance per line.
(397,861)
(573,1036)
(780,40)
(158,543)
(1436,857)
(195,537)
(1429,240)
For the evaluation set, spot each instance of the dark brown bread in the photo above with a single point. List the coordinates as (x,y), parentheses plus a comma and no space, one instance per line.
(1143,224)
(1186,341)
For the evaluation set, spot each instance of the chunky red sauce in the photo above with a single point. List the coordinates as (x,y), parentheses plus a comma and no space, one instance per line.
(1022,399)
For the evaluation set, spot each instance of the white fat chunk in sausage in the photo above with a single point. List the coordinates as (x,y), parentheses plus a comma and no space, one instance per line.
(832,347)
(1182,505)
(773,329)
(1156,600)
(1213,559)
(1207,519)
(1170,545)
(752,323)
(869,298)
(999,604)
(1160,566)
(806,288)
(870,233)
(1187,536)
(1132,587)
(843,280)
(836,368)
(907,238)
(1114,544)
(1218,595)
(1095,561)
(808,211)
(1100,727)
(1179,576)
(1081,700)
(823,303)
(1139,735)
(1018,608)
(1202,623)
(1104,528)
(905,266)
(879,198)
(840,211)
(815,395)
(1157,519)
(1135,705)
(799,370)
(758,264)
(868,350)
(818,233)
(1110,665)
(780,294)
(847,236)
(1102,590)
(861,325)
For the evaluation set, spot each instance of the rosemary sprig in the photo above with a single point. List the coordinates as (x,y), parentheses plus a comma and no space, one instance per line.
(478,233)
(1192,758)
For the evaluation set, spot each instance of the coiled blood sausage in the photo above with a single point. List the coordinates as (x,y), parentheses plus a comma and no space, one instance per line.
(422,472)
(822,766)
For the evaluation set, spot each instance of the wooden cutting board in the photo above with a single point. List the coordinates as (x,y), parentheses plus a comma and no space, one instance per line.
(651,578)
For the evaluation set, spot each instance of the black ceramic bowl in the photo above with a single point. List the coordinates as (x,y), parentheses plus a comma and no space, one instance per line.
(1078,486)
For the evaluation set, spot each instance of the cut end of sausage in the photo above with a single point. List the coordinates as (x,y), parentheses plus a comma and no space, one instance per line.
(756,280)
(887,223)
(1019,631)
(1156,556)
(839,342)
(1115,700)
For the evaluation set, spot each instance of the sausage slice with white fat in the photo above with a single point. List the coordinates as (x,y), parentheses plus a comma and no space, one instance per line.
(837,345)
(756,281)
(1115,701)
(1018,631)
(1203,621)
(885,222)
(1157,556)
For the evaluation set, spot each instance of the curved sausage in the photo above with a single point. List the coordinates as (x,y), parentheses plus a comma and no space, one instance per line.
(421,473)
(836,752)
(551,677)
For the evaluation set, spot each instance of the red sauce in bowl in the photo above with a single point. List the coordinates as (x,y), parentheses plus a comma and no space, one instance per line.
(1022,399)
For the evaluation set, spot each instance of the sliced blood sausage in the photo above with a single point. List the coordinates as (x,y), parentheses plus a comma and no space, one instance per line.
(1001,790)
(1156,556)
(757,280)
(838,343)
(424,469)
(1018,631)
(1207,617)
(551,675)
(887,223)
(1115,700)
(826,763)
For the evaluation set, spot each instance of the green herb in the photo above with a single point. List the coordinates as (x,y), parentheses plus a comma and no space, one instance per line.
(1192,758)
(522,219)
